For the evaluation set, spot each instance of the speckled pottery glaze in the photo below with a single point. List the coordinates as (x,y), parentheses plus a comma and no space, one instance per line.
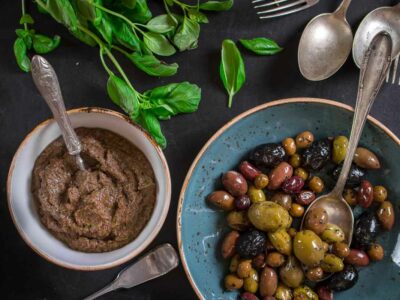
(200,227)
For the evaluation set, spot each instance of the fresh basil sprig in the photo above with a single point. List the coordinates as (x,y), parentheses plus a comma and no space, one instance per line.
(231,71)
(261,46)
(28,39)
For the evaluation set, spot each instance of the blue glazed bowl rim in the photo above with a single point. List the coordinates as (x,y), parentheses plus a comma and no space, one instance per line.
(220,132)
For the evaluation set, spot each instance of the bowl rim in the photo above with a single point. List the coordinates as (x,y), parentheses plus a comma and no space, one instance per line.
(223,129)
(150,237)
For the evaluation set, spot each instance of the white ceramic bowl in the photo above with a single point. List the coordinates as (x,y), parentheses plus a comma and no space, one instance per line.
(24,213)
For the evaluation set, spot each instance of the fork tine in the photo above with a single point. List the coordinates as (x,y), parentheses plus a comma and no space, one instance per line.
(283,7)
(288,12)
(270,3)
(396,63)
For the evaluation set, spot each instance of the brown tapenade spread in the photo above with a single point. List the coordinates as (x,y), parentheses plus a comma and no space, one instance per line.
(102,208)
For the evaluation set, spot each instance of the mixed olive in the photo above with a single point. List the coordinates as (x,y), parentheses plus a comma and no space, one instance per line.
(268,195)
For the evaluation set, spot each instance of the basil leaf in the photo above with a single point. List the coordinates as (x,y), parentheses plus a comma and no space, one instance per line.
(89,11)
(26,19)
(261,46)
(232,71)
(216,5)
(105,29)
(83,37)
(124,34)
(20,54)
(187,35)
(122,95)
(152,66)
(140,13)
(161,24)
(26,36)
(158,44)
(197,16)
(181,97)
(63,12)
(43,44)
(129,3)
(149,122)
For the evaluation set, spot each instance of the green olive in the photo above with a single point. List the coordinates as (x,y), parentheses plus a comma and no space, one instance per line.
(304,293)
(261,181)
(340,144)
(269,216)
(341,250)
(238,220)
(380,193)
(331,263)
(316,184)
(281,240)
(289,145)
(308,247)
(350,196)
(297,210)
(233,265)
(291,272)
(244,268)
(283,199)
(303,174)
(295,160)
(275,259)
(304,139)
(250,284)
(256,195)
(332,234)
(315,274)
(283,292)
(232,282)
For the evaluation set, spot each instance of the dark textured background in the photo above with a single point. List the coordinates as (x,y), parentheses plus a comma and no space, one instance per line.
(24,274)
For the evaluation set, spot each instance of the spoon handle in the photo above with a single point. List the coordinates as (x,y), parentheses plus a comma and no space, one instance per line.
(46,81)
(375,65)
(342,9)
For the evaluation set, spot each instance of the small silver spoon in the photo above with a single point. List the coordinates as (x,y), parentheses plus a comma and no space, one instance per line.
(373,71)
(154,264)
(381,19)
(325,44)
(46,81)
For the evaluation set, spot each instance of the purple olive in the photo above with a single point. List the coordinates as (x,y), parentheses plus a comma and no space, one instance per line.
(242,202)
(293,185)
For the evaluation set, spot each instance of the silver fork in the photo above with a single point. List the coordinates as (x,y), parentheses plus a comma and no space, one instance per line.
(393,71)
(277,8)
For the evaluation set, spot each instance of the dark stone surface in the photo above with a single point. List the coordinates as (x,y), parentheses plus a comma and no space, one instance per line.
(24,274)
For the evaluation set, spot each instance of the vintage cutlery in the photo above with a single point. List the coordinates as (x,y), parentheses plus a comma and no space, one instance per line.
(154,264)
(383,18)
(325,44)
(277,8)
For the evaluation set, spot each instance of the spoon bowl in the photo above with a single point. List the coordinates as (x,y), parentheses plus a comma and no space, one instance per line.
(381,19)
(325,44)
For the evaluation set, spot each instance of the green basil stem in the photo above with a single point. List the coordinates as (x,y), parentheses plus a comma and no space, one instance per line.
(23,13)
(103,62)
(230,99)
(133,25)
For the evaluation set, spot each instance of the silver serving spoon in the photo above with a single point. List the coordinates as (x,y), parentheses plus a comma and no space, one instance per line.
(373,71)
(325,44)
(381,19)
(46,81)
(154,264)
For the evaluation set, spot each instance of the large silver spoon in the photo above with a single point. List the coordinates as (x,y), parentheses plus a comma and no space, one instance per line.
(381,19)
(46,81)
(154,264)
(376,63)
(325,44)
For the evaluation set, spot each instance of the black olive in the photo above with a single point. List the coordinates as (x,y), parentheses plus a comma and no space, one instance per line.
(250,243)
(268,155)
(356,175)
(365,230)
(343,280)
(317,155)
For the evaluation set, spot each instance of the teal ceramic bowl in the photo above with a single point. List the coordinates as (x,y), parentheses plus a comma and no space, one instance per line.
(200,228)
